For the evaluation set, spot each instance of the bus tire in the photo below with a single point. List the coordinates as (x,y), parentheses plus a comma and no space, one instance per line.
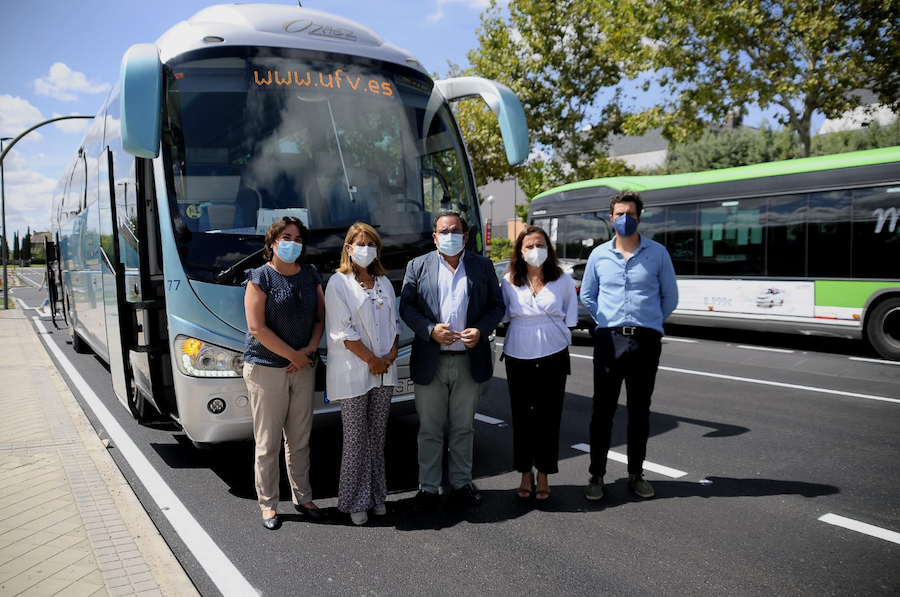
(141,409)
(883,328)
(78,343)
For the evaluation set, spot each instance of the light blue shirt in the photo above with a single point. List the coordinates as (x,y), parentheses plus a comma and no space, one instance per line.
(641,291)
(453,288)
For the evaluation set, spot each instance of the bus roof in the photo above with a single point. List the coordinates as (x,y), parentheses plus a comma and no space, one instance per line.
(820,163)
(278,26)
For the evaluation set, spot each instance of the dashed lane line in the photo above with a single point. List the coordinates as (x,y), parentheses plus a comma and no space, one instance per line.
(487,419)
(879,361)
(861,527)
(765,348)
(766,382)
(648,466)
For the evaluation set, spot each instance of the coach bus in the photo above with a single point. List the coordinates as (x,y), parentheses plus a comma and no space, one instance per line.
(238,116)
(809,246)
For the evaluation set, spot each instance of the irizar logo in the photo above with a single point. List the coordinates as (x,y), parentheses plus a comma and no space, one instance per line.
(305,25)
(883,214)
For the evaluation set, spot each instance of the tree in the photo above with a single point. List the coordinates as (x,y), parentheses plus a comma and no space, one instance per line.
(25,252)
(728,148)
(16,246)
(800,56)
(557,59)
(872,136)
(501,248)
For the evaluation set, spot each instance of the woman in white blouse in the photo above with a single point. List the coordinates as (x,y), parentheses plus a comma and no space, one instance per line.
(541,307)
(362,331)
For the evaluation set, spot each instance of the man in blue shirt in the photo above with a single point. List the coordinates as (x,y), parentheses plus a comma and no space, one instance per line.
(629,288)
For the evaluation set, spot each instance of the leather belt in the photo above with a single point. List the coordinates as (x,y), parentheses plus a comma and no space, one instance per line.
(632,330)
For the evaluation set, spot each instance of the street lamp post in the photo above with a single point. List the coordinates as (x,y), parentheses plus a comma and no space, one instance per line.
(490,202)
(5,248)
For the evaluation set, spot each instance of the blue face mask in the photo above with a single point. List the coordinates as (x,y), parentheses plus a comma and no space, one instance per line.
(288,251)
(450,244)
(625,225)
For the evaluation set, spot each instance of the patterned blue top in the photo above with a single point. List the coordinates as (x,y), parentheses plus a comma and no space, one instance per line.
(292,303)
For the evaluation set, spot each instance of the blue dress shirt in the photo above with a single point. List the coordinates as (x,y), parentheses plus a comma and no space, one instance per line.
(641,291)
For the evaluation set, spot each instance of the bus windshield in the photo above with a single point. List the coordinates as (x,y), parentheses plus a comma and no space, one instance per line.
(249,138)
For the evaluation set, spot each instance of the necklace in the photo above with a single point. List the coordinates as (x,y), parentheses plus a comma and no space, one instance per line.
(375,295)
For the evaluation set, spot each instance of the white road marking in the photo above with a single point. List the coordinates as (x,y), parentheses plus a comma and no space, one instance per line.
(223,573)
(676,339)
(879,361)
(861,527)
(648,466)
(766,382)
(779,384)
(487,419)
(765,348)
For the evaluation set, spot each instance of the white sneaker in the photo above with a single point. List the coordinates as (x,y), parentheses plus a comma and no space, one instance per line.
(379,510)
(359,518)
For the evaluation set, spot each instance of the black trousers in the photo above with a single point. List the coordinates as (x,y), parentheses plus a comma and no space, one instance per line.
(537,388)
(634,360)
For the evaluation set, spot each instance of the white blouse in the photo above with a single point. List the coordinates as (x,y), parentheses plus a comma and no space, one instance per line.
(539,324)
(353,313)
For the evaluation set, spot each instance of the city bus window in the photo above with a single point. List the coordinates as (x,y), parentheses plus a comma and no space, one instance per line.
(731,238)
(786,236)
(583,232)
(681,238)
(876,233)
(829,234)
(653,223)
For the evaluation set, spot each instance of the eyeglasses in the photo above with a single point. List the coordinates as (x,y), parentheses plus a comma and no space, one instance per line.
(445,231)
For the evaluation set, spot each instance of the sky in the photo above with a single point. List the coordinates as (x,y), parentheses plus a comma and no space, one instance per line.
(61,58)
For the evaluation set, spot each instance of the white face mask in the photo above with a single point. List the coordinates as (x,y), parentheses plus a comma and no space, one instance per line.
(536,256)
(363,256)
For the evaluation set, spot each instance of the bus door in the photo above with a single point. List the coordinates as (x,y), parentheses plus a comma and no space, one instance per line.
(130,316)
(51,275)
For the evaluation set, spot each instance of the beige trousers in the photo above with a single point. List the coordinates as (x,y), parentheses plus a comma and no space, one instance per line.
(281,404)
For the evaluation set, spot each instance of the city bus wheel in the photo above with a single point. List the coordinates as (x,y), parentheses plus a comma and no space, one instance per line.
(141,408)
(883,328)
(78,344)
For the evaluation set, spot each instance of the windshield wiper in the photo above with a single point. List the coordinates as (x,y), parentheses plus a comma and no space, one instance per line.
(228,274)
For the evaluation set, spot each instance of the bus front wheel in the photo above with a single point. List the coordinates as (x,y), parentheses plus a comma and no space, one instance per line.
(883,328)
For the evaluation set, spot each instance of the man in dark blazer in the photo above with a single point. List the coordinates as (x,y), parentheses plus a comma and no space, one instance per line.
(451,300)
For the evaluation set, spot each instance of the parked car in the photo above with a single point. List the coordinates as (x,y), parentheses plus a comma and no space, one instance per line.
(573,267)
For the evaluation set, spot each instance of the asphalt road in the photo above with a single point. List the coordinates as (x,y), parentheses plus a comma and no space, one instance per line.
(754,439)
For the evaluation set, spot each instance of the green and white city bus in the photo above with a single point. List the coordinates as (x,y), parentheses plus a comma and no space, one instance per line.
(808,246)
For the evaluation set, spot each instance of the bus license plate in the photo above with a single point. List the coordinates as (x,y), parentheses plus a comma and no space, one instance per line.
(404,385)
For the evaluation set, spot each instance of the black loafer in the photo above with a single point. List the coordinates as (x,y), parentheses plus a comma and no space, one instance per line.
(467,495)
(273,524)
(425,501)
(310,513)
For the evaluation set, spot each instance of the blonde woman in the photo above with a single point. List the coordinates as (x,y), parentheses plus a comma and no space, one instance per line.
(363,331)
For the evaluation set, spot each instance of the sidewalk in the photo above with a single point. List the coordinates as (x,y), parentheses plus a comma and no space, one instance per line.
(69,522)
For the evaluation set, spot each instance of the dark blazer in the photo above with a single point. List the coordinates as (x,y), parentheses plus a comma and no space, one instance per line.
(420,308)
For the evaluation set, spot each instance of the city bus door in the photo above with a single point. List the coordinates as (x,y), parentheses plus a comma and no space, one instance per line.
(51,275)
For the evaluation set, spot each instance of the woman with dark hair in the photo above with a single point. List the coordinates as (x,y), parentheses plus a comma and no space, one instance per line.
(363,332)
(285,310)
(541,307)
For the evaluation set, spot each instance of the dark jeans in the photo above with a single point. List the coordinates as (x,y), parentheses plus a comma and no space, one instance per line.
(537,388)
(635,360)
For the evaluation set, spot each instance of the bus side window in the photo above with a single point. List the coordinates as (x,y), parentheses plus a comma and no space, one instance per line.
(681,238)
(876,233)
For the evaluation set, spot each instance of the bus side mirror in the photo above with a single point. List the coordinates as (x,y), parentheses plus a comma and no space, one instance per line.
(503,102)
(140,100)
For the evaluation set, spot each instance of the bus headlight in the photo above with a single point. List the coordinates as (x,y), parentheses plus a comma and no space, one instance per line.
(201,359)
